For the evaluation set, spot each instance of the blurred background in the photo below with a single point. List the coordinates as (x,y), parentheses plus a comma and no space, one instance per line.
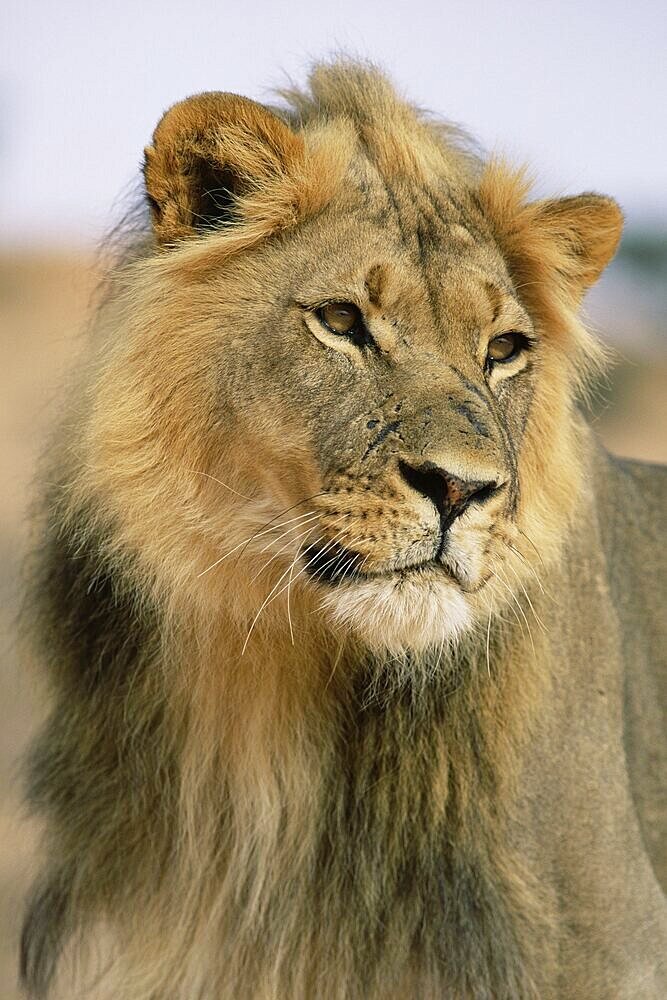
(577,90)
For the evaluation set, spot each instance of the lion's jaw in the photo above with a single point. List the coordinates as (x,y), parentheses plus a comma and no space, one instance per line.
(427,592)
(402,611)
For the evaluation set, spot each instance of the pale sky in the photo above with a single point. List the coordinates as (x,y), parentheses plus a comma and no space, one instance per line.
(578,89)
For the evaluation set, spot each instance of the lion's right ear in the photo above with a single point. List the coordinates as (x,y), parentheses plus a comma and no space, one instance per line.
(212,154)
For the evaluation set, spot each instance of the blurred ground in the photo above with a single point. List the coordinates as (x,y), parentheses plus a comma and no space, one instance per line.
(43,302)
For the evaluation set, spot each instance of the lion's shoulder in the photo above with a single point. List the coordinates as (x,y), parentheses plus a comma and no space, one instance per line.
(650,482)
(632,500)
(632,509)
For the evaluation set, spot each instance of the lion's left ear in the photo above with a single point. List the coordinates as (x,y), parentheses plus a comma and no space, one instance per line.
(564,242)
(210,153)
(582,232)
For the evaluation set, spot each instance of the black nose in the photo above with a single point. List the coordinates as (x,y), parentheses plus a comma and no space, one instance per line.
(449,494)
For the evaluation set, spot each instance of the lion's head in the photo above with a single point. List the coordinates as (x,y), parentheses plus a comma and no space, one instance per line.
(347,372)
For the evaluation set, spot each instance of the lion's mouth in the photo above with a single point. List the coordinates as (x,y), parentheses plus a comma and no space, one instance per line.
(333,564)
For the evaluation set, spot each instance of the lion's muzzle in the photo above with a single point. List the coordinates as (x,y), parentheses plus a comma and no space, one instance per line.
(450,495)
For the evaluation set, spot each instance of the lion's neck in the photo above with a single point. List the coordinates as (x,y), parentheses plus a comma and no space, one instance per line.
(371,811)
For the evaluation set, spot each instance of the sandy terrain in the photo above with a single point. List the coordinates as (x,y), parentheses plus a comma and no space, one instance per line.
(43,301)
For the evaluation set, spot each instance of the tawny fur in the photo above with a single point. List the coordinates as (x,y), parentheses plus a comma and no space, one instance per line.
(405,783)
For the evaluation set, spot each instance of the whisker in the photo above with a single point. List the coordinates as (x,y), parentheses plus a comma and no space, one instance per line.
(285,545)
(317,555)
(197,472)
(363,561)
(531,569)
(335,664)
(263,605)
(518,604)
(510,607)
(291,540)
(343,566)
(246,541)
(490,606)
(313,517)
(439,660)
(272,595)
(530,603)
(488,645)
(531,543)
(329,562)
(285,511)
(289,584)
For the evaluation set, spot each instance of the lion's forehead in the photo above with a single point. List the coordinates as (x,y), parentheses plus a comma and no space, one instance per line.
(417,254)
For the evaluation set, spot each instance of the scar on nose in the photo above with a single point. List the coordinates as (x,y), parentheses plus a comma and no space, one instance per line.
(380,437)
(472,419)
(471,387)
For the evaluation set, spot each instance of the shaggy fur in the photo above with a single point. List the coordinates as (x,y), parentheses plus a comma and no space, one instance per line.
(316,730)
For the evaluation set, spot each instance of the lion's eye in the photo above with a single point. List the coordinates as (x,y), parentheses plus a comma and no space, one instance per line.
(341,317)
(506,347)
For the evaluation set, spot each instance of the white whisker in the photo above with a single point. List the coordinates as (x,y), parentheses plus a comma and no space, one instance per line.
(317,555)
(272,595)
(290,541)
(531,569)
(289,584)
(335,664)
(257,534)
(488,644)
(313,517)
(197,472)
(513,596)
(534,546)
(530,603)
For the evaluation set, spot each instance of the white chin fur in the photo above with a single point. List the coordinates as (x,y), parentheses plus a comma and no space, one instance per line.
(397,614)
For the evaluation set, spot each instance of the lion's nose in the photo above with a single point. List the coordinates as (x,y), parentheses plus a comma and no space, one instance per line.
(449,494)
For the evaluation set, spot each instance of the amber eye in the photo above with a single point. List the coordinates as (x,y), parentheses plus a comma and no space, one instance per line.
(341,317)
(506,347)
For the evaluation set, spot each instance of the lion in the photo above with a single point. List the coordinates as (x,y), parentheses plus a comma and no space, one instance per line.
(351,627)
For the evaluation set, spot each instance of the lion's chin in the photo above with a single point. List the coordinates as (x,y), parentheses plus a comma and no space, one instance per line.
(395,613)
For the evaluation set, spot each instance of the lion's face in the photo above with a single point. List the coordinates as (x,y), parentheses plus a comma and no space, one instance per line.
(353,389)
(373,413)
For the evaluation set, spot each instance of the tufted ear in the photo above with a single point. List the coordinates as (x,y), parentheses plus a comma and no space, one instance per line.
(564,241)
(209,154)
